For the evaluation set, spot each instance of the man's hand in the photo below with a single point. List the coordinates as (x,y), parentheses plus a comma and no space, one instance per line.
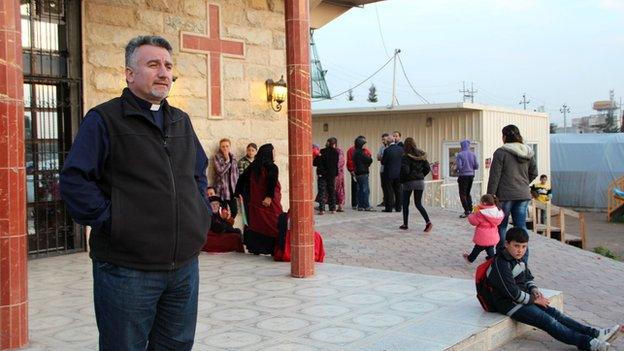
(542,301)
(536,293)
(266,202)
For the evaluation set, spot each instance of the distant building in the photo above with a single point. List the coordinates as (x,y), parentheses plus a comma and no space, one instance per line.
(438,130)
(588,124)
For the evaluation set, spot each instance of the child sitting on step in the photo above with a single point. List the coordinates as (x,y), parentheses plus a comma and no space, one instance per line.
(486,218)
(511,291)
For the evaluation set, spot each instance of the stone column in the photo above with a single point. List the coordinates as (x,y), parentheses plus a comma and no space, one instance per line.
(299,137)
(13,243)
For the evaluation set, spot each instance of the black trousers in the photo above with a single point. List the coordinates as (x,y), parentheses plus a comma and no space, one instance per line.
(465,185)
(384,188)
(476,250)
(394,199)
(327,186)
(354,192)
(417,202)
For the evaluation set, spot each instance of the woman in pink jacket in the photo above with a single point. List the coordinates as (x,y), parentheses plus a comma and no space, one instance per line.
(486,217)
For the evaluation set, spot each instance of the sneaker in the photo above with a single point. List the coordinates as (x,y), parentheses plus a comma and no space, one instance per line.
(463,215)
(605,334)
(339,210)
(428,227)
(465,256)
(598,345)
(332,212)
(360,209)
(370,209)
(404,227)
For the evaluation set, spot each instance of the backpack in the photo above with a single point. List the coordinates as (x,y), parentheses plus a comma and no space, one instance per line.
(484,288)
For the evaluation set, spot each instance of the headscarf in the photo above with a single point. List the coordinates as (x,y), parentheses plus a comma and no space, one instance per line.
(264,157)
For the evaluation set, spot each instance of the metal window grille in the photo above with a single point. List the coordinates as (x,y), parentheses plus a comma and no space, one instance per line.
(52,109)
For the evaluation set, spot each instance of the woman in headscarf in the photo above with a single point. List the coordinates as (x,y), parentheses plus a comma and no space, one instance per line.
(261,192)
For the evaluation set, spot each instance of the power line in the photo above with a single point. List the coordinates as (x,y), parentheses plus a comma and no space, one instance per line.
(383,42)
(408,81)
(357,85)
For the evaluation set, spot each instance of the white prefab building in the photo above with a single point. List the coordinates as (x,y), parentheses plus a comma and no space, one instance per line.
(437,129)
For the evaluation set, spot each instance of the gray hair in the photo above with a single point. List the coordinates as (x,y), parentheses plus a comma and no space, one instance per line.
(141,40)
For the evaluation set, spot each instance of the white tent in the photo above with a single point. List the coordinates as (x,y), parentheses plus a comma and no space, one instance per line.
(583,166)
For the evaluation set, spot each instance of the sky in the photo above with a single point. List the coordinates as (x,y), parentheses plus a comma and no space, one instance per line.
(554,51)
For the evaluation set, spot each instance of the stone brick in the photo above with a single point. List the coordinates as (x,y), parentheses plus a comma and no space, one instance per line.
(254,36)
(195,8)
(265,19)
(175,23)
(262,73)
(133,4)
(277,58)
(165,5)
(114,15)
(194,106)
(279,41)
(150,20)
(236,90)
(110,82)
(101,34)
(106,56)
(256,55)
(190,87)
(233,69)
(193,65)
(258,4)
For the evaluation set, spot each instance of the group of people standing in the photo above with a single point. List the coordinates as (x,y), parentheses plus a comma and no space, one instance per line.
(402,172)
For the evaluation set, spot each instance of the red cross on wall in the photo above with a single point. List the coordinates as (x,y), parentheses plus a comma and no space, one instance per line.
(213,46)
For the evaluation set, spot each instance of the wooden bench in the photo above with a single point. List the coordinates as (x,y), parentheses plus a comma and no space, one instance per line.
(558,230)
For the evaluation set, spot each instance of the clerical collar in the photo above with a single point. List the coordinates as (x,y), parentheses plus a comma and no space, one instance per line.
(146,105)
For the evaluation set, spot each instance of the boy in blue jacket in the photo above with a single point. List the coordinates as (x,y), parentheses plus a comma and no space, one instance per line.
(515,294)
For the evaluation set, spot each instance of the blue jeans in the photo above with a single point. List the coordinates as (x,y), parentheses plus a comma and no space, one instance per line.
(363,191)
(557,324)
(518,211)
(145,310)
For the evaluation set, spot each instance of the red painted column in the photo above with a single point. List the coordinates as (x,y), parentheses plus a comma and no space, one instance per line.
(299,137)
(13,243)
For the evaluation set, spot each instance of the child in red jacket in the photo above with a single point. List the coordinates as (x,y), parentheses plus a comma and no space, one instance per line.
(486,218)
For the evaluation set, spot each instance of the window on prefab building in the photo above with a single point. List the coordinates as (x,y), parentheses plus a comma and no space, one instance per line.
(449,152)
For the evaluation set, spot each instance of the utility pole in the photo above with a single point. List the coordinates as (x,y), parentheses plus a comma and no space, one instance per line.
(468,94)
(524,101)
(394,101)
(565,110)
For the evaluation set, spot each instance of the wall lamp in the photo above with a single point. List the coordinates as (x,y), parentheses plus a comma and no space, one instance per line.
(276,92)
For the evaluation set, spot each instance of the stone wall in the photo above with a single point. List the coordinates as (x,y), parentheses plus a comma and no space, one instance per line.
(247,117)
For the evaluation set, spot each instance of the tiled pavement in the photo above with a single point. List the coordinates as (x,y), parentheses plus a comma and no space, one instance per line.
(593,286)
(251,303)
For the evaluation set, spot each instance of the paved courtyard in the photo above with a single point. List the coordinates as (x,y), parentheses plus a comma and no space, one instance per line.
(355,307)
(251,303)
(592,285)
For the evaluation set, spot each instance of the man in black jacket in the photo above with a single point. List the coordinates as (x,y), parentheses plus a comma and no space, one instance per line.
(515,294)
(136,175)
(327,170)
(391,162)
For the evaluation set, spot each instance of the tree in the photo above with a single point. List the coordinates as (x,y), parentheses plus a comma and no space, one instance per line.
(350,96)
(553,128)
(610,125)
(372,93)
